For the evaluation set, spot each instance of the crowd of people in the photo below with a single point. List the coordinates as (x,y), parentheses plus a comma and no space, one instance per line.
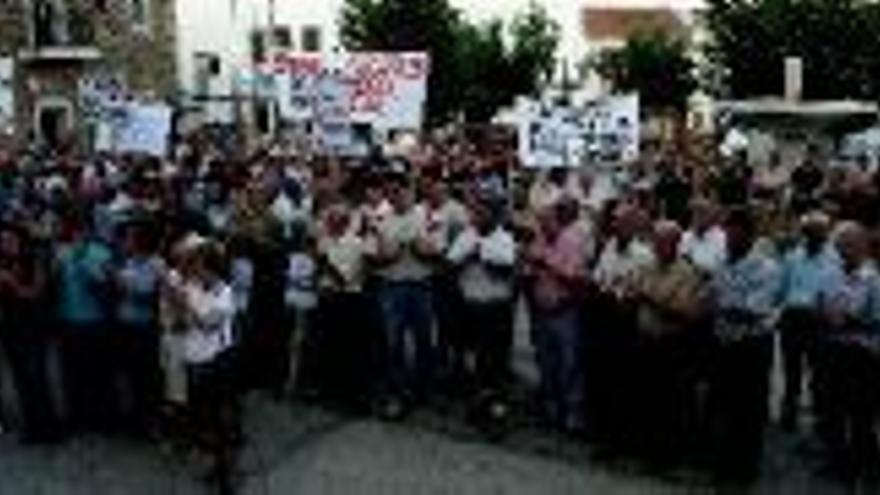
(654,293)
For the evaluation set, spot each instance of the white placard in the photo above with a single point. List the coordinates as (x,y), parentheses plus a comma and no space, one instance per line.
(7,95)
(296,76)
(145,129)
(386,90)
(604,130)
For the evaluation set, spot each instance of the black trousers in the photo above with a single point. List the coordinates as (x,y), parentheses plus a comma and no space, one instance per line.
(610,339)
(88,363)
(452,338)
(849,391)
(212,400)
(799,331)
(739,403)
(343,347)
(489,329)
(27,348)
(138,351)
(664,400)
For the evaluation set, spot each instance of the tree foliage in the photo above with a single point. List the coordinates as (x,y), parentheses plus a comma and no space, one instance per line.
(654,65)
(837,40)
(475,69)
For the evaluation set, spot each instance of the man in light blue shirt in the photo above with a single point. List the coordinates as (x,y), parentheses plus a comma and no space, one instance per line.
(807,268)
(847,390)
(744,292)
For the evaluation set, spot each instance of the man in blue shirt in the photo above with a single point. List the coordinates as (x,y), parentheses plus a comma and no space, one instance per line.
(83,276)
(847,402)
(136,334)
(806,269)
(743,293)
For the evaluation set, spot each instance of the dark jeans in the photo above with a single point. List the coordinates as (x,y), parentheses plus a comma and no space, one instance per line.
(799,331)
(137,348)
(27,348)
(407,310)
(88,363)
(490,338)
(739,403)
(558,340)
(849,406)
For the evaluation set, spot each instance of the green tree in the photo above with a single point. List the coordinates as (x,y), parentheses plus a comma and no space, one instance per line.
(836,39)
(535,38)
(654,65)
(475,69)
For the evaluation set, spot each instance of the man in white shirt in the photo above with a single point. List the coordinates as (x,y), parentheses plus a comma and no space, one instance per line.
(444,217)
(484,255)
(402,259)
(208,308)
(705,243)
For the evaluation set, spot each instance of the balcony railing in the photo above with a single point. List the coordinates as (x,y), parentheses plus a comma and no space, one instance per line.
(60,36)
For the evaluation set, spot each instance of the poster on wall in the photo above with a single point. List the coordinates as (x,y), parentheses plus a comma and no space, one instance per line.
(7,95)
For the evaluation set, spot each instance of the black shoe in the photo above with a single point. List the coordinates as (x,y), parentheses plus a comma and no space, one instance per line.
(789,422)
(393,408)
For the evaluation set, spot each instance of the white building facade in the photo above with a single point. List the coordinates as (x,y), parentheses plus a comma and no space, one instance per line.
(220,42)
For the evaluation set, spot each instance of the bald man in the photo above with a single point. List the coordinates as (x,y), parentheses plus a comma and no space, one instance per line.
(850,307)
(669,294)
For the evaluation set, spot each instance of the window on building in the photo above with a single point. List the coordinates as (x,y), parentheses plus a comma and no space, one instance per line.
(140,13)
(311,39)
(208,67)
(258,46)
(281,38)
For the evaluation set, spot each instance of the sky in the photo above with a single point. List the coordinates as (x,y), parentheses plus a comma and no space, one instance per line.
(566,12)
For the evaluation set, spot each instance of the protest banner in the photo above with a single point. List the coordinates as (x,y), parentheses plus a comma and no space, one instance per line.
(602,130)
(142,129)
(101,94)
(296,77)
(7,95)
(386,90)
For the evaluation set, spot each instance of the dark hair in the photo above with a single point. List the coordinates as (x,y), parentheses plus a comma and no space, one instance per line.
(741,217)
(214,259)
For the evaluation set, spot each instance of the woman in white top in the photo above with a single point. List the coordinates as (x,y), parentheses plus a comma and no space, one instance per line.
(206,304)
(344,339)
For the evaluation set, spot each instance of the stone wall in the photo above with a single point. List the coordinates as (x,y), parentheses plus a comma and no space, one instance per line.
(145,57)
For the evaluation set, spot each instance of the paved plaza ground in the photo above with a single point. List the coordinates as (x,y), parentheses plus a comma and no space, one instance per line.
(293,448)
